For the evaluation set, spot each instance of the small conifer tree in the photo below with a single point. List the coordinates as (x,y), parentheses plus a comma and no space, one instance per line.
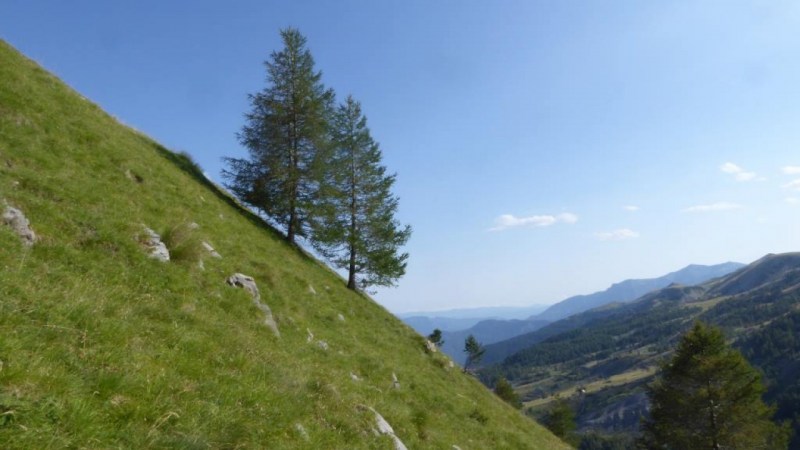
(709,397)
(474,351)
(436,337)
(285,132)
(504,390)
(354,223)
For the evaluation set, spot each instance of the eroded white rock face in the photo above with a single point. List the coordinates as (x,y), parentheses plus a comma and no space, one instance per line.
(155,247)
(14,218)
(249,284)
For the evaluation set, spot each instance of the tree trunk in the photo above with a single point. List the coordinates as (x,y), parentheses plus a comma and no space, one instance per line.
(351,279)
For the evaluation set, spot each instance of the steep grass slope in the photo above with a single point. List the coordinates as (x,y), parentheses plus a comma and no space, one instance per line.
(104,347)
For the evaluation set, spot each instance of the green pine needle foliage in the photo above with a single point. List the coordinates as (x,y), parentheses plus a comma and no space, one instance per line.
(708,396)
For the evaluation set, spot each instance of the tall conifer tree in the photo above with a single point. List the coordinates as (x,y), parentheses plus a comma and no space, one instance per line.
(284,132)
(354,226)
(709,397)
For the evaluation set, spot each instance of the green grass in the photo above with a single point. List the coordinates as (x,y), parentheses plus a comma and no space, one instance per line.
(104,347)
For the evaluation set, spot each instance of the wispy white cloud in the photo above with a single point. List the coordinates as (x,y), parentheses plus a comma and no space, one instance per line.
(791,170)
(792,200)
(507,221)
(617,235)
(738,173)
(794,185)
(719,206)
(631,208)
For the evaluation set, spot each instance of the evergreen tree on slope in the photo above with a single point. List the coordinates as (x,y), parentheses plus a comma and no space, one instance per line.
(354,225)
(285,132)
(709,397)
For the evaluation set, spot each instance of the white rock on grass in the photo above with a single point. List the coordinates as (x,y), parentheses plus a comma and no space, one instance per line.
(354,377)
(15,219)
(211,250)
(395,382)
(301,430)
(340,316)
(249,284)
(311,290)
(155,247)
(322,344)
(430,346)
(385,428)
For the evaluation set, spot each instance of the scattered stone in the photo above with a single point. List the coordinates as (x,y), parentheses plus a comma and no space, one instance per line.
(455,447)
(15,219)
(327,288)
(221,216)
(311,290)
(133,177)
(353,376)
(340,317)
(395,382)
(194,226)
(451,364)
(210,249)
(430,347)
(322,344)
(301,430)
(249,284)
(154,245)
(15,184)
(385,428)
(310,337)
(245,282)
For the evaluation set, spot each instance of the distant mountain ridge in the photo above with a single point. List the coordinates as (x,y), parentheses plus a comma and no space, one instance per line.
(628,290)
(494,331)
(424,322)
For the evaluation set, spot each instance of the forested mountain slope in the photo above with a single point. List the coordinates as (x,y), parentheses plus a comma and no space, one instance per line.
(511,336)
(103,346)
(602,359)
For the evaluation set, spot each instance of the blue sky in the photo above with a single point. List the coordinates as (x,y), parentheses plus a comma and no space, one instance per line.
(543,149)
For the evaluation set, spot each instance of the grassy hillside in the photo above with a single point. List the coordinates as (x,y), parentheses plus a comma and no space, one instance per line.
(102,346)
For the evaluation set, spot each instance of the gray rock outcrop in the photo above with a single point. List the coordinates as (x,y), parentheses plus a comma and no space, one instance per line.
(156,248)
(249,284)
(385,428)
(15,219)
(430,347)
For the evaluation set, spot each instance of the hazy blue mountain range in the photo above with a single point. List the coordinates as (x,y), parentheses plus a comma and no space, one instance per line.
(628,290)
(492,331)
(460,319)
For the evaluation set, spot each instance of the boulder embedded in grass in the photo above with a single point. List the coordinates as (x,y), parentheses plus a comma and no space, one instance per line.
(15,219)
(249,284)
(155,247)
